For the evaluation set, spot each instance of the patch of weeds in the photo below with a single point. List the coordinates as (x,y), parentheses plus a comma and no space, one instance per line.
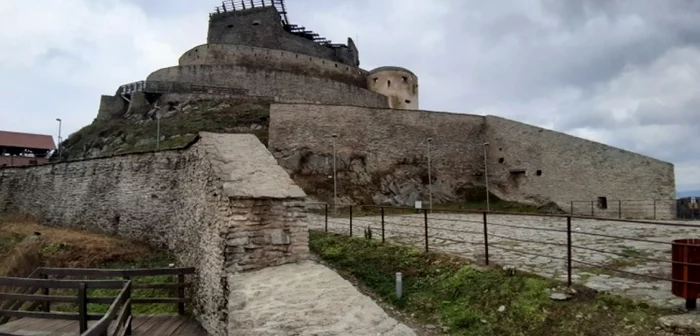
(444,290)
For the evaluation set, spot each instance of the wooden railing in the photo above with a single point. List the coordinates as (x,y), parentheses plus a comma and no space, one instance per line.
(45,279)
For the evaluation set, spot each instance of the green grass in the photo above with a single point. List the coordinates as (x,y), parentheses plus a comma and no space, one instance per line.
(444,290)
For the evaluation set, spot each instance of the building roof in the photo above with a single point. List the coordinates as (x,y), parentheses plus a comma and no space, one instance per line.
(26,140)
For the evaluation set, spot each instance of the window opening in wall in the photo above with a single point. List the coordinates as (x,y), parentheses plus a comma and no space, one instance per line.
(500,160)
(404,78)
(336,65)
(256,23)
(230,26)
(407,101)
(388,83)
(375,79)
(602,202)
(538,172)
(500,148)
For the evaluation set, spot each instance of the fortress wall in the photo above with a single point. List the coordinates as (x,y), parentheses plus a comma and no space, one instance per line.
(111,107)
(277,60)
(262,27)
(380,149)
(205,203)
(573,169)
(288,87)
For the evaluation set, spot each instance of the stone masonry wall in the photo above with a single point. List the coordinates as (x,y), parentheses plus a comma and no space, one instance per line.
(272,59)
(380,152)
(195,201)
(382,158)
(535,165)
(287,86)
(262,27)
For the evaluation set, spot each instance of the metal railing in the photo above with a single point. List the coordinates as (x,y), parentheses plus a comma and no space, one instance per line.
(476,231)
(633,209)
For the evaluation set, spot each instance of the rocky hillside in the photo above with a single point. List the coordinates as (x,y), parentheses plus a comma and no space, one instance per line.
(181,120)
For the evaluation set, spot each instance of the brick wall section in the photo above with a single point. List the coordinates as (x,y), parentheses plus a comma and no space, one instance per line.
(271,59)
(287,86)
(573,169)
(194,201)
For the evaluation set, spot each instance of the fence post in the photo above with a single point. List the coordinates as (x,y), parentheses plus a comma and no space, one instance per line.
(82,307)
(425,221)
(326,224)
(568,250)
(181,294)
(128,304)
(351,221)
(128,309)
(45,305)
(619,208)
(592,211)
(655,208)
(486,241)
(382,208)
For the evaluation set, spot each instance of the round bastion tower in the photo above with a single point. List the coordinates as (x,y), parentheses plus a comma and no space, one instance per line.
(399,84)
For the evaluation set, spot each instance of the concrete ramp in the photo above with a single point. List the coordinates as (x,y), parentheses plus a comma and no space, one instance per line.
(304,298)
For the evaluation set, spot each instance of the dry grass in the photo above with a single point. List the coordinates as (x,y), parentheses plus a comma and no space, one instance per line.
(25,245)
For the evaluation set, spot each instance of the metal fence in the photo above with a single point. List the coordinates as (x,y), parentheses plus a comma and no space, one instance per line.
(663,209)
(564,247)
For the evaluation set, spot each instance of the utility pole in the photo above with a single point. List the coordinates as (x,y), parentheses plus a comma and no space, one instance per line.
(335,177)
(59,139)
(486,177)
(430,177)
(158,130)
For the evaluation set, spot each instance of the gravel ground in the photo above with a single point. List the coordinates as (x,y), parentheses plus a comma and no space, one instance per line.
(544,252)
(306,298)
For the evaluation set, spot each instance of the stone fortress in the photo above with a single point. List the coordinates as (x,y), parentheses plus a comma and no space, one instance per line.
(316,88)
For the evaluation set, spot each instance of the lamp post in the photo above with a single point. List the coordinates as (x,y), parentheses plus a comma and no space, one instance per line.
(430,177)
(335,177)
(486,177)
(59,138)
(158,129)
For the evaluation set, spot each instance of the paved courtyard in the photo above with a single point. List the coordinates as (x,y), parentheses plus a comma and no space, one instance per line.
(512,235)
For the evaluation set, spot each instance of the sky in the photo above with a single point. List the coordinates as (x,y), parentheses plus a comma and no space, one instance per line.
(622,72)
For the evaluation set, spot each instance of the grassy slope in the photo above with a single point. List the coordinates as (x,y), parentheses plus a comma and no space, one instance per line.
(443,290)
(178,129)
(21,252)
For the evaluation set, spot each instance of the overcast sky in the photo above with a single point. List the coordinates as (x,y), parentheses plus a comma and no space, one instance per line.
(626,73)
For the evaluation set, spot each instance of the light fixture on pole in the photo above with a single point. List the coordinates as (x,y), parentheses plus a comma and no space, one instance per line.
(335,176)
(158,128)
(486,177)
(59,138)
(430,177)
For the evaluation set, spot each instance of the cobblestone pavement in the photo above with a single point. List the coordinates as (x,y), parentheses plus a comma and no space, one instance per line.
(463,234)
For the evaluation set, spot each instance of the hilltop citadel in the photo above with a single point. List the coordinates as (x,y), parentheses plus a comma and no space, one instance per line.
(294,89)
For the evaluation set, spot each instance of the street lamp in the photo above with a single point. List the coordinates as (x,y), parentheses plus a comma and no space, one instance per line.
(335,177)
(430,178)
(59,138)
(486,177)
(158,128)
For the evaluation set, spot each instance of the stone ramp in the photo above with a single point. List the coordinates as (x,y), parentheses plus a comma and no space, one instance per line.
(304,298)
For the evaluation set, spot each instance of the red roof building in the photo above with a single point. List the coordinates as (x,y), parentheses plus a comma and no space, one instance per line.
(21,149)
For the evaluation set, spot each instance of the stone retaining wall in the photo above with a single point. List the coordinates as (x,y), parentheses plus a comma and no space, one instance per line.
(222,205)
